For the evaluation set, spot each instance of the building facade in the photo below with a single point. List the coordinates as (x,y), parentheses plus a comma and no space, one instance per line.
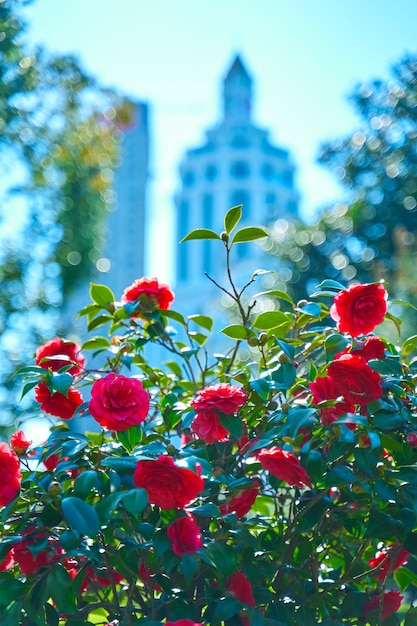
(126,240)
(236,164)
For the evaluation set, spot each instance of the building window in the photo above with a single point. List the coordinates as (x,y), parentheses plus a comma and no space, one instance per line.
(183,227)
(267,171)
(270,205)
(211,172)
(287,178)
(240,170)
(207,223)
(188,179)
(241,197)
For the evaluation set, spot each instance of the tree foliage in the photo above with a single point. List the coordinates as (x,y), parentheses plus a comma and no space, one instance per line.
(58,148)
(375,233)
(222,490)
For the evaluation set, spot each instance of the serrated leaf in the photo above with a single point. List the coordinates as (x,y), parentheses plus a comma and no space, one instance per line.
(101,295)
(200,233)
(232,218)
(80,516)
(248,233)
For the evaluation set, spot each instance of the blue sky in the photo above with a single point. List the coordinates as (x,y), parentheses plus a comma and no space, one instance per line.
(305,56)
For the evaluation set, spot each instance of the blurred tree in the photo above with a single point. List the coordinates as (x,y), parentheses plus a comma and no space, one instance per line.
(58,147)
(375,235)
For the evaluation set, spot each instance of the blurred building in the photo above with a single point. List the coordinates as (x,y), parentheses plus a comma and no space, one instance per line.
(237,164)
(126,240)
(126,230)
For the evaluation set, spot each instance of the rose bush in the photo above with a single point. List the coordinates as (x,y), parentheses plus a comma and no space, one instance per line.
(272,485)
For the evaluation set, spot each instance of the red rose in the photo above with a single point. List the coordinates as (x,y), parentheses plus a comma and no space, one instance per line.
(150,293)
(7,562)
(10,476)
(51,462)
(147,574)
(223,397)
(118,402)
(185,535)
(242,502)
(391,603)
(359,308)
(354,379)
(241,588)
(323,389)
(411,439)
(19,443)
(183,622)
(168,486)
(57,403)
(371,348)
(30,562)
(52,350)
(207,427)
(390,560)
(100,577)
(284,465)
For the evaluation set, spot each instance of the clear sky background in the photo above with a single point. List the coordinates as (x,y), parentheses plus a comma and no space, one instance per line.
(305,57)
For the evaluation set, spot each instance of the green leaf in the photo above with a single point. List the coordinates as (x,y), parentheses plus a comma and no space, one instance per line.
(275,293)
(249,233)
(189,566)
(225,609)
(135,500)
(327,286)
(95,343)
(409,346)
(80,516)
(207,510)
(232,424)
(395,320)
(235,331)
(177,317)
(85,483)
(261,387)
(106,507)
(61,589)
(61,382)
(200,233)
(202,320)
(101,295)
(130,438)
(271,319)
(99,321)
(122,465)
(232,218)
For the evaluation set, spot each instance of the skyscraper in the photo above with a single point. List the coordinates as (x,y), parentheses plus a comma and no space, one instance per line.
(126,227)
(236,164)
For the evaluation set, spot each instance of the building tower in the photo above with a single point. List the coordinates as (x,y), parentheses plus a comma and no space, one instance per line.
(236,165)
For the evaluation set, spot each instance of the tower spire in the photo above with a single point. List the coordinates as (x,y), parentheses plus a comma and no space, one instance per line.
(237,93)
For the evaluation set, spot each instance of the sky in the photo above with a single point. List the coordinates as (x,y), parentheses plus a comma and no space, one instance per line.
(305,56)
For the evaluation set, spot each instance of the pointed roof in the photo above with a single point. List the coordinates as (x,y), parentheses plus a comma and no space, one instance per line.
(236,68)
